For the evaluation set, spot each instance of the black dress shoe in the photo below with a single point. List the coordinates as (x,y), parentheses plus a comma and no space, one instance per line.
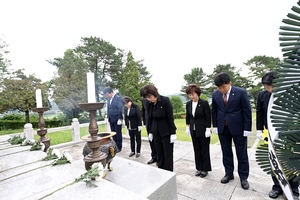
(131,154)
(197,173)
(244,184)
(274,194)
(151,161)
(137,155)
(203,174)
(226,179)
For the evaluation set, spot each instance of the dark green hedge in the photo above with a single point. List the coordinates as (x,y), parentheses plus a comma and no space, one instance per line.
(19,124)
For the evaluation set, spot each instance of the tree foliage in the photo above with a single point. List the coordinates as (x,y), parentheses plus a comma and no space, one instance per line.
(258,66)
(4,62)
(177,104)
(70,85)
(134,76)
(18,93)
(197,76)
(103,59)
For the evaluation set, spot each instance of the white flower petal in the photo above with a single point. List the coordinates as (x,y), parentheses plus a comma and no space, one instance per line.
(56,152)
(68,156)
(43,147)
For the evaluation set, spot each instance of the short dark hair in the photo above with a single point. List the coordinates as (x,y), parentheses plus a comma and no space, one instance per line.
(141,91)
(126,99)
(268,78)
(221,79)
(150,90)
(193,88)
(108,90)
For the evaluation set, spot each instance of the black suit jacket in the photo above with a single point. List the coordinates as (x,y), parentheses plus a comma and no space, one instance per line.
(161,120)
(237,113)
(114,109)
(202,118)
(134,116)
(144,111)
(262,109)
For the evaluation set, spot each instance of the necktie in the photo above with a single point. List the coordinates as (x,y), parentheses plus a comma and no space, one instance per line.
(225,99)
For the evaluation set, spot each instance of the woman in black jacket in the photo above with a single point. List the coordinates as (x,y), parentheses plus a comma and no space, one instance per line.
(198,123)
(133,122)
(161,127)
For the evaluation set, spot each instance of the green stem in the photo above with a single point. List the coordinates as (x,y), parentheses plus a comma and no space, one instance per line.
(24,172)
(57,190)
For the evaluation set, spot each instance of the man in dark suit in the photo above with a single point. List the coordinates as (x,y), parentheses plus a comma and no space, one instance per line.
(114,113)
(232,120)
(261,123)
(145,122)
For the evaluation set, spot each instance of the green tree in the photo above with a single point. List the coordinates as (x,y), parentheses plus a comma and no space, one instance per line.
(4,62)
(177,104)
(103,59)
(234,73)
(197,76)
(258,66)
(134,76)
(18,93)
(70,85)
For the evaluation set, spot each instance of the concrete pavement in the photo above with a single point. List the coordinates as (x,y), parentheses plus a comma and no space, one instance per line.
(192,187)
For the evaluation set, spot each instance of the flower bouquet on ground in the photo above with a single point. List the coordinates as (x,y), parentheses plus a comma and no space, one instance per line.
(52,154)
(65,158)
(16,139)
(96,172)
(37,145)
(28,142)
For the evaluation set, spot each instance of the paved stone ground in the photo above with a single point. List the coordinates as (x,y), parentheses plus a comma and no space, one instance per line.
(191,187)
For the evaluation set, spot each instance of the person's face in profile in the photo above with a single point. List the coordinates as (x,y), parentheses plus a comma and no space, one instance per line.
(128,105)
(269,88)
(224,88)
(151,98)
(193,96)
(109,95)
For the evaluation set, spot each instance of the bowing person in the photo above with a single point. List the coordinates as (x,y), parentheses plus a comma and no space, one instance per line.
(161,127)
(133,122)
(198,123)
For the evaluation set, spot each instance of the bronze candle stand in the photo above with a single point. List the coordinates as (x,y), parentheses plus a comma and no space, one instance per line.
(42,131)
(94,141)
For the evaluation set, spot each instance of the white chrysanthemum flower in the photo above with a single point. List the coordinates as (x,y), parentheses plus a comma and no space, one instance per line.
(43,146)
(101,173)
(98,178)
(32,141)
(96,164)
(24,143)
(100,166)
(56,152)
(68,156)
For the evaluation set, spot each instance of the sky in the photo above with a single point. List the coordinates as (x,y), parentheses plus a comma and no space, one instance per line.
(171,36)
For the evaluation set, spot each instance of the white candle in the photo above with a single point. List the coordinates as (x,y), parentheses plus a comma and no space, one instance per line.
(38,96)
(91,87)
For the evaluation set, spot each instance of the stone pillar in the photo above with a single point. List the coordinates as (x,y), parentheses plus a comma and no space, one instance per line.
(107,125)
(75,130)
(28,131)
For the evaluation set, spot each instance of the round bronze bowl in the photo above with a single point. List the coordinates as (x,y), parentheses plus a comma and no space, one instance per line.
(102,135)
(91,106)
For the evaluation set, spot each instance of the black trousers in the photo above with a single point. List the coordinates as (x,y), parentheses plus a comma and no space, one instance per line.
(135,135)
(153,150)
(294,186)
(240,143)
(164,150)
(118,137)
(201,152)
